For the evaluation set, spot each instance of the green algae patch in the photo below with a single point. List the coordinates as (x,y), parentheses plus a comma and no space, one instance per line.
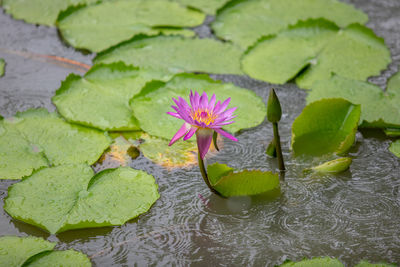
(334,166)
(100,99)
(379,109)
(207,6)
(102,25)
(325,126)
(244,22)
(153,119)
(2,67)
(174,54)
(316,262)
(312,50)
(71,197)
(395,148)
(14,251)
(230,183)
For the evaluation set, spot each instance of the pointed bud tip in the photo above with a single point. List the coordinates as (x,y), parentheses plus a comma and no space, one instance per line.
(274,111)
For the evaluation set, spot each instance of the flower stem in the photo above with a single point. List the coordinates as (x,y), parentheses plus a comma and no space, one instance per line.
(278,146)
(204,175)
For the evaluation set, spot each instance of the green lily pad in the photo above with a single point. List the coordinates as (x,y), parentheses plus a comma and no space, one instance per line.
(315,49)
(207,6)
(316,262)
(14,251)
(2,67)
(378,108)
(244,22)
(39,11)
(325,126)
(395,148)
(100,99)
(244,183)
(392,132)
(69,197)
(153,119)
(364,263)
(66,258)
(175,54)
(102,25)
(334,166)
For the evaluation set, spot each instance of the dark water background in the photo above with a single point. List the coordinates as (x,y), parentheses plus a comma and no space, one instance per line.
(351,216)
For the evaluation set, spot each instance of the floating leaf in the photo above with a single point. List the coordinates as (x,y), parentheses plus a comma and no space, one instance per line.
(392,132)
(378,108)
(100,99)
(364,263)
(14,251)
(316,48)
(70,197)
(395,148)
(100,26)
(334,166)
(39,11)
(2,67)
(244,183)
(325,126)
(207,6)
(59,258)
(244,22)
(176,54)
(150,107)
(316,262)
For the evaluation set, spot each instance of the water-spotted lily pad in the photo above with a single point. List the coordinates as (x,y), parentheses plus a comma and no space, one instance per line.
(14,251)
(207,6)
(176,54)
(325,126)
(243,183)
(100,99)
(334,166)
(70,197)
(151,105)
(244,22)
(67,258)
(2,67)
(364,263)
(378,108)
(395,148)
(316,262)
(39,11)
(102,25)
(315,49)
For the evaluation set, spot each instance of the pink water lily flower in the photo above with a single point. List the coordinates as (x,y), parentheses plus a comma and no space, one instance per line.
(202,117)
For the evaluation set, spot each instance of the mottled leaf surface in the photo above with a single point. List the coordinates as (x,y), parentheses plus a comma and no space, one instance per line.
(325,126)
(244,22)
(150,108)
(14,250)
(70,197)
(176,54)
(100,26)
(316,262)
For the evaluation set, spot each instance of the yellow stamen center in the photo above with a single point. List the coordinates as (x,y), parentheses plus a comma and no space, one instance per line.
(203,116)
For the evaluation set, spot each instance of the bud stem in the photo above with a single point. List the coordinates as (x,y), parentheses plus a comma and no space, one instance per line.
(205,176)
(277,140)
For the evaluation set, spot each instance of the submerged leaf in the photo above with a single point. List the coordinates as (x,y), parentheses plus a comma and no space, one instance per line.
(100,99)
(325,126)
(316,262)
(395,148)
(175,54)
(244,22)
(334,166)
(59,258)
(2,67)
(100,26)
(70,197)
(153,119)
(14,251)
(315,49)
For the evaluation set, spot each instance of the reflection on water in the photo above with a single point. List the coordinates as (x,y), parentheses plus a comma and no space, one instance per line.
(354,215)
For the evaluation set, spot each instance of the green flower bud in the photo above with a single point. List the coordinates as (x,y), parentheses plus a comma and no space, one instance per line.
(274,111)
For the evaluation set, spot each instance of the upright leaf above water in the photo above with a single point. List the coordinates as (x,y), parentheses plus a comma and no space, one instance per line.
(176,54)
(100,26)
(70,197)
(334,166)
(326,126)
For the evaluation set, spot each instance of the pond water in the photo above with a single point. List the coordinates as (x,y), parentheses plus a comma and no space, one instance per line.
(351,216)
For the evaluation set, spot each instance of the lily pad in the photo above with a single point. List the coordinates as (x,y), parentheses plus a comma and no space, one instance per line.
(175,54)
(70,197)
(244,22)
(364,263)
(207,6)
(315,49)
(14,251)
(2,67)
(243,183)
(65,258)
(325,126)
(395,148)
(102,25)
(39,11)
(334,166)
(378,108)
(150,106)
(100,99)
(316,262)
